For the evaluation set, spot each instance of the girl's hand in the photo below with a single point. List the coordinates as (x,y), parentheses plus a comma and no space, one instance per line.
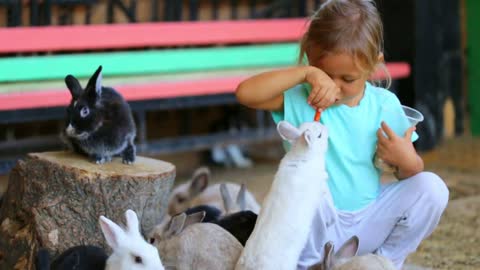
(395,150)
(324,90)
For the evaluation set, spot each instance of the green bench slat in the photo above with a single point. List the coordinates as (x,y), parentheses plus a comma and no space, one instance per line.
(147,62)
(153,90)
(34,86)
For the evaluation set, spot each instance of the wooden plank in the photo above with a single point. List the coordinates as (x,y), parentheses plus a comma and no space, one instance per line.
(397,70)
(32,86)
(154,90)
(146,62)
(158,62)
(142,35)
(61,97)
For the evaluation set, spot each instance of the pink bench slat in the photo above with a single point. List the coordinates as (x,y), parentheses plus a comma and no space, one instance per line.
(61,97)
(141,35)
(397,70)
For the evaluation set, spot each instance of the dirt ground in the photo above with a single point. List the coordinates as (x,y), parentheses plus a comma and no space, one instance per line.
(454,245)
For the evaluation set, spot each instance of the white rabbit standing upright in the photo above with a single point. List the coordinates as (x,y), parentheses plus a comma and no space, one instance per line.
(283,224)
(130,250)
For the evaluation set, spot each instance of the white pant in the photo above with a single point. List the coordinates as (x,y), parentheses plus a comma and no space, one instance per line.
(405,213)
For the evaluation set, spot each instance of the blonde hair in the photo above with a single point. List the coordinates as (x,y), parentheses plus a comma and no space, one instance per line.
(347,26)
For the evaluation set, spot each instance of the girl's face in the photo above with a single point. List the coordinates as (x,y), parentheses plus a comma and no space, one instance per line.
(347,75)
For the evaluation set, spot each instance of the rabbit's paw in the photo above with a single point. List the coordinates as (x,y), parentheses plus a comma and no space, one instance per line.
(128,159)
(100,159)
(128,155)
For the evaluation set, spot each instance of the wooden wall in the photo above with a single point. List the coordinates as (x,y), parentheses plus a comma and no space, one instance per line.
(144,11)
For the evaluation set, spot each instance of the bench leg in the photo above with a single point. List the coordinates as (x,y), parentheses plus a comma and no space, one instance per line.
(260,115)
(141,129)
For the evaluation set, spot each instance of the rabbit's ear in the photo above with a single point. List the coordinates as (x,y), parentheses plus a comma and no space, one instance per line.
(94,86)
(42,260)
(287,131)
(227,200)
(132,222)
(74,86)
(112,232)
(328,257)
(241,200)
(176,225)
(307,137)
(349,249)
(194,218)
(199,181)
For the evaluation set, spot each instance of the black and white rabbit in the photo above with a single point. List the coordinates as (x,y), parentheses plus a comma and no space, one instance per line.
(81,257)
(99,121)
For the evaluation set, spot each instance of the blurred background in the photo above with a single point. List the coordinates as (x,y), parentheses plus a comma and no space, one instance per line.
(435,42)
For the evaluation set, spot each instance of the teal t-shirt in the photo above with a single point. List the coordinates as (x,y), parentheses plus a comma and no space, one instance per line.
(353,179)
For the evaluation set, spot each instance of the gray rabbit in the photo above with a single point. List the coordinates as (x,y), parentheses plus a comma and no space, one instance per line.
(188,244)
(346,258)
(99,121)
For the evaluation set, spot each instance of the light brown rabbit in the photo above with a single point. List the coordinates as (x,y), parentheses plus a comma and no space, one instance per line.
(240,224)
(196,192)
(190,245)
(346,259)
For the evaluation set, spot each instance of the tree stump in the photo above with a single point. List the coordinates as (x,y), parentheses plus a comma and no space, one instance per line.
(54,200)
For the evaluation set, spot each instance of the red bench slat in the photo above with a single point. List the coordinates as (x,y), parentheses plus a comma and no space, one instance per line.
(397,70)
(141,35)
(61,97)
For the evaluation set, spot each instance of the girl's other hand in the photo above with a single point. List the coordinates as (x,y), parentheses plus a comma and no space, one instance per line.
(324,90)
(395,150)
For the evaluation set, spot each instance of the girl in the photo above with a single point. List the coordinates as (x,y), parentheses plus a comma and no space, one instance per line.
(344,46)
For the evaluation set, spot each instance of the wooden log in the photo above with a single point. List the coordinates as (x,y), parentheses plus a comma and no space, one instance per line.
(54,200)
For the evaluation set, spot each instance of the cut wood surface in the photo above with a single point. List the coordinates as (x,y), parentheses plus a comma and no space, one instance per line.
(54,200)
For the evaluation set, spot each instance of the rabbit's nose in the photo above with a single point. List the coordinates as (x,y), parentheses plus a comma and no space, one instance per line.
(70,129)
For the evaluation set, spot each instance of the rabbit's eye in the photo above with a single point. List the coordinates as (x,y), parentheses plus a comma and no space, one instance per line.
(84,112)
(137,259)
(181,199)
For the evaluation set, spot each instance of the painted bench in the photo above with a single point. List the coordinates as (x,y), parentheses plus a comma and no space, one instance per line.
(156,66)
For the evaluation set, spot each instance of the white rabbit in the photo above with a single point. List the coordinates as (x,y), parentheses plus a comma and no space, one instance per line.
(189,244)
(346,259)
(197,192)
(130,250)
(283,224)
